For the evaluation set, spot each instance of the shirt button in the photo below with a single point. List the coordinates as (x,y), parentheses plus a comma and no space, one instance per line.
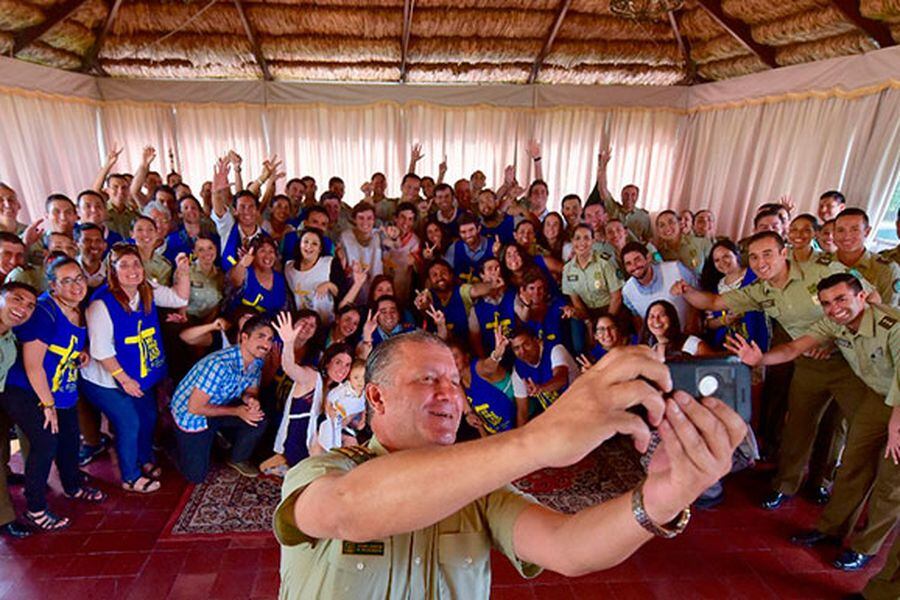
(360,566)
(418,560)
(468,560)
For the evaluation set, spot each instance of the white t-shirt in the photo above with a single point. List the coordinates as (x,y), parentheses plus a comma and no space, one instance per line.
(369,256)
(303,286)
(638,298)
(559,357)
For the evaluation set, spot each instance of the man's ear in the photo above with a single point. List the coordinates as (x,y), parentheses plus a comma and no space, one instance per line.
(375,398)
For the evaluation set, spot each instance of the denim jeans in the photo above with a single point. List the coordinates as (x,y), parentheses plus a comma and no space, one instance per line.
(133,419)
(23,409)
(195,448)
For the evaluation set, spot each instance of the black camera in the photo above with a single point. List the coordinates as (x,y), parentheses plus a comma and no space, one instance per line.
(725,378)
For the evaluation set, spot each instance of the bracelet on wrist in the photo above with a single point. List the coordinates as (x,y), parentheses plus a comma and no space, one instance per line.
(116,372)
(669,530)
(46,406)
(538,159)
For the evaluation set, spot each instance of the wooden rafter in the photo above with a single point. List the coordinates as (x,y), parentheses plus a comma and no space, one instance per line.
(254,42)
(739,31)
(690,67)
(877,30)
(408,6)
(55,15)
(551,37)
(90,59)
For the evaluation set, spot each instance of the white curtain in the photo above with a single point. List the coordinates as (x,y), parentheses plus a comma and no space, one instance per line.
(48,145)
(734,159)
(131,126)
(206,132)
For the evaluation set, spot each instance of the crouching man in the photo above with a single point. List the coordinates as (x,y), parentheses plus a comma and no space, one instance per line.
(412,514)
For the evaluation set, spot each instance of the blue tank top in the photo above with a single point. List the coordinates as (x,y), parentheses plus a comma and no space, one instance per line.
(455,312)
(230,250)
(542,373)
(496,410)
(263,300)
(138,340)
(65,344)
(465,267)
(550,329)
(751,326)
(490,316)
(505,230)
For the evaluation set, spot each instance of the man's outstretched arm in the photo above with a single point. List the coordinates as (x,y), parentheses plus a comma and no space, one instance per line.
(412,489)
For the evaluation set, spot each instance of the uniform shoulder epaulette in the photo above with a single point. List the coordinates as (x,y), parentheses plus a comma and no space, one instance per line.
(358,454)
(887,322)
(883,259)
(605,255)
(825,259)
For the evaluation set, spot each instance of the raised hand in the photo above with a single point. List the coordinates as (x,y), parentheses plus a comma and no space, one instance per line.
(787,202)
(509,175)
(604,155)
(247,257)
(442,168)
(416,153)
(234,158)
(369,327)
(501,342)
(437,316)
(148,155)
(749,353)
(113,156)
(284,327)
(221,171)
(33,232)
(422,300)
(533,148)
(392,231)
(359,272)
(428,251)
(584,362)
(568,311)
(366,189)
(892,450)
(182,264)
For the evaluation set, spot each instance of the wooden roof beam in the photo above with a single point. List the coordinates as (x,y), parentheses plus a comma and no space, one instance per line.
(877,30)
(55,15)
(90,59)
(254,42)
(551,37)
(690,67)
(739,31)
(408,6)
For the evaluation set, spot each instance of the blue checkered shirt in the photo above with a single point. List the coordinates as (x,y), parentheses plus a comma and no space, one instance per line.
(222,376)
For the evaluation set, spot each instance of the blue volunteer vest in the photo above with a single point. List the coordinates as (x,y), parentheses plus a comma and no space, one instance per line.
(138,340)
(180,241)
(751,326)
(465,267)
(490,316)
(550,329)
(496,410)
(455,313)
(65,343)
(263,300)
(542,373)
(505,230)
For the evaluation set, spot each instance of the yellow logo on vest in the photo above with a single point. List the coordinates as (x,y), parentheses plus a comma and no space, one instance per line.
(255,304)
(67,367)
(148,350)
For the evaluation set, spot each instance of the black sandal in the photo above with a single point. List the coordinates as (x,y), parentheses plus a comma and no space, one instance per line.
(147,487)
(46,521)
(152,471)
(88,494)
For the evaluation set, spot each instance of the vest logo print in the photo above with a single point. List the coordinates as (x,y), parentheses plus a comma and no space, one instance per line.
(147,347)
(67,367)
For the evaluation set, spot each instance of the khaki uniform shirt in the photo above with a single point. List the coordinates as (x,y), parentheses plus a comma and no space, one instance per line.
(159,268)
(7,356)
(881,272)
(892,254)
(207,291)
(796,306)
(594,283)
(873,352)
(689,252)
(386,208)
(450,559)
(33,276)
(120,222)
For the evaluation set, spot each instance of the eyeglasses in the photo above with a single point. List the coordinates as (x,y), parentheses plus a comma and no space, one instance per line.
(67,281)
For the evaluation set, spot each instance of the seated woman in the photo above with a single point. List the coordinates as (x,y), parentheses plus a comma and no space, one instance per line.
(662,332)
(299,423)
(128,359)
(255,280)
(723,273)
(345,411)
(316,279)
(608,335)
(42,389)
(345,328)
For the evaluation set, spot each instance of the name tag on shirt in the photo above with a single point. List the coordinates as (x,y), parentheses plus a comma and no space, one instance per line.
(365,548)
(767,303)
(571,277)
(843,343)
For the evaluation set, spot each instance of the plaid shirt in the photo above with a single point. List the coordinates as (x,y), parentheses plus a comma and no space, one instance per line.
(222,376)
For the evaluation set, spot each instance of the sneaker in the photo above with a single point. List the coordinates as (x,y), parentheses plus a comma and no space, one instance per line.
(87,453)
(245,468)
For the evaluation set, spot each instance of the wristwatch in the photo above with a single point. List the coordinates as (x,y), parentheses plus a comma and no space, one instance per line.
(667,531)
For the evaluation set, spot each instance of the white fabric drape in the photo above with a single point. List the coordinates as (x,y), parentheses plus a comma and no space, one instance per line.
(47,146)
(206,132)
(734,159)
(131,126)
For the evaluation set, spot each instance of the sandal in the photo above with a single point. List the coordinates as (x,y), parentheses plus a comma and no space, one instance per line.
(46,520)
(88,494)
(152,471)
(141,485)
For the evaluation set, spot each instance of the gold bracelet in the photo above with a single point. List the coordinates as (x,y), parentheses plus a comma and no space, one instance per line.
(116,372)
(45,406)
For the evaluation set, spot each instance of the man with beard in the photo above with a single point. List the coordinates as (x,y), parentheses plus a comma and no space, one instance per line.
(494,223)
(181,241)
(468,253)
(235,234)
(495,310)
(649,281)
(445,295)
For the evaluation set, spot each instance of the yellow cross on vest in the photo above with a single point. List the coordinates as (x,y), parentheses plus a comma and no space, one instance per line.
(255,303)
(67,355)
(141,339)
(503,324)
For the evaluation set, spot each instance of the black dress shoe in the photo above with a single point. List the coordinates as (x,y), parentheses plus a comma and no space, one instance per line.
(852,561)
(813,537)
(15,530)
(820,495)
(774,500)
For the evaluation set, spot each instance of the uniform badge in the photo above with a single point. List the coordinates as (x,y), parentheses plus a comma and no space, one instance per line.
(769,303)
(605,255)
(841,343)
(824,260)
(571,277)
(887,322)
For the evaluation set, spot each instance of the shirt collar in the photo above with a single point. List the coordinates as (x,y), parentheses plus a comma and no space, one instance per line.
(375,446)
(866,325)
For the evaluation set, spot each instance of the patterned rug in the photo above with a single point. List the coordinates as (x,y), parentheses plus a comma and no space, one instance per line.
(228,504)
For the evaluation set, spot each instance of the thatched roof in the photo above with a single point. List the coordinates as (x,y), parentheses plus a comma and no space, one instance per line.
(496,41)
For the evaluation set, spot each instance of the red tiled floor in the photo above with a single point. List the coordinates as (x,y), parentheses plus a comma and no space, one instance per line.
(114,551)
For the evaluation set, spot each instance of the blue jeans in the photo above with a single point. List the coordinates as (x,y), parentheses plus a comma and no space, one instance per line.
(195,448)
(133,419)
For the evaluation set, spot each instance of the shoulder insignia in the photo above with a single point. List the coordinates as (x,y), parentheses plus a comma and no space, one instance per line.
(825,259)
(358,454)
(605,255)
(887,322)
(882,259)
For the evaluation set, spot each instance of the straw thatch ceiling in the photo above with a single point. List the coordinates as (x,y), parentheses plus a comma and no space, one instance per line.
(497,41)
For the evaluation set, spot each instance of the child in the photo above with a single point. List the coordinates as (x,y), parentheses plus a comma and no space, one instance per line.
(345,409)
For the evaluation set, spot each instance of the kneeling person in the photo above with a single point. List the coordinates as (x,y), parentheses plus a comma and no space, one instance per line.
(542,372)
(221,393)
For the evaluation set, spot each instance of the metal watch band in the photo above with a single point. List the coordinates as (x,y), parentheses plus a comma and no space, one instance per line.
(640,515)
